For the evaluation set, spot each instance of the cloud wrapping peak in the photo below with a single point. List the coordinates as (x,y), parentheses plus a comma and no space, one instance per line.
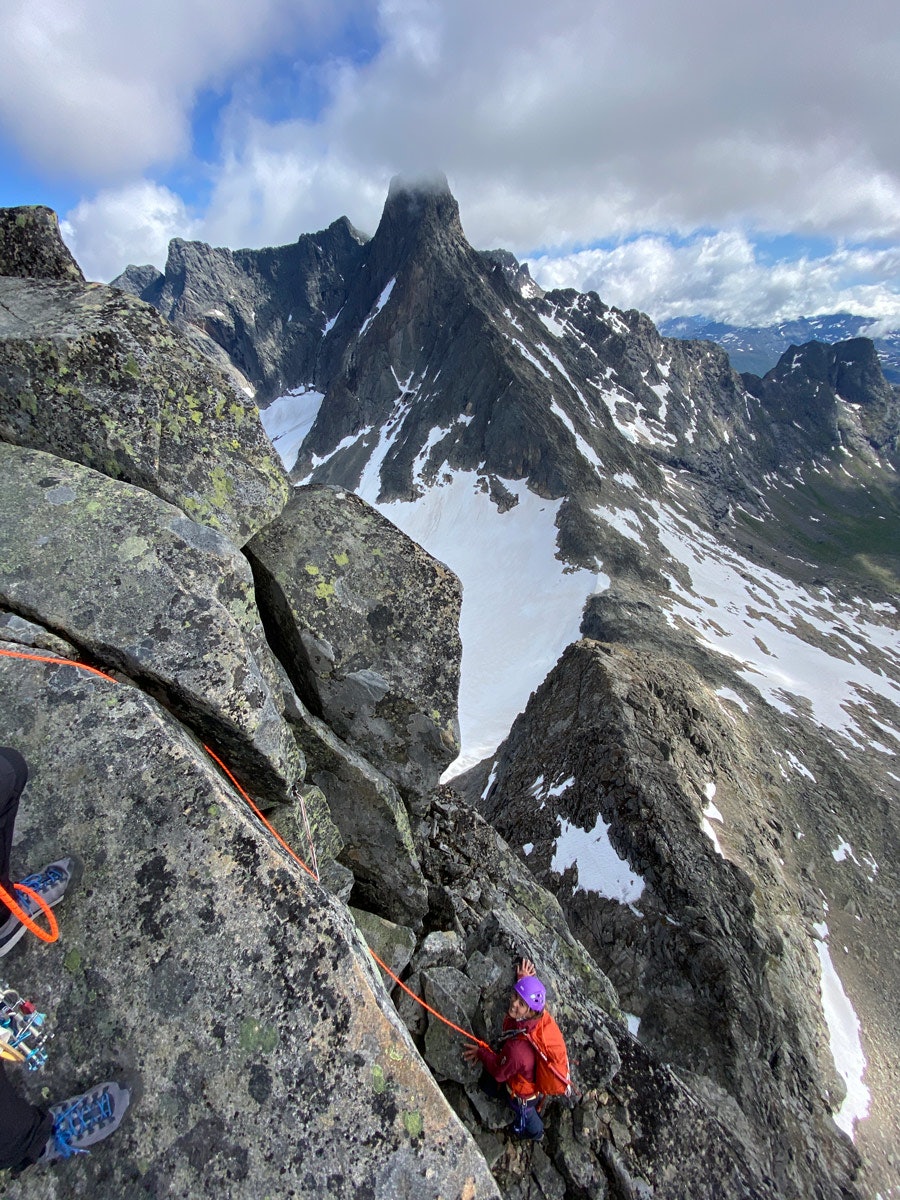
(559,126)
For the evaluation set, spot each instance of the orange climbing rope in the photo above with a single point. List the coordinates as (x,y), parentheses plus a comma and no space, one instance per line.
(68,662)
(63,662)
(294,855)
(51,920)
(418,999)
(18,911)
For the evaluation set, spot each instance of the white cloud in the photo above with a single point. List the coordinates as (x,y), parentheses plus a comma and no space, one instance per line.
(104,88)
(126,225)
(725,276)
(558,125)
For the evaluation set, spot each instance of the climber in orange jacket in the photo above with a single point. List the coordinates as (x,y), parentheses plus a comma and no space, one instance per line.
(510,1074)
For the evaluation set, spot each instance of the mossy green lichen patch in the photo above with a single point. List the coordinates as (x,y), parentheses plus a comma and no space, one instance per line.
(413,1123)
(72,961)
(256,1037)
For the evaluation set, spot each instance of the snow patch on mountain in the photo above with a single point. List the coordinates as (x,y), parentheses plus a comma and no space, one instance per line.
(587,451)
(801,650)
(600,867)
(520,607)
(844,1034)
(379,305)
(288,420)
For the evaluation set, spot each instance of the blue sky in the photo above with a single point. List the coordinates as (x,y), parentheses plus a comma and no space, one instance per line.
(697,156)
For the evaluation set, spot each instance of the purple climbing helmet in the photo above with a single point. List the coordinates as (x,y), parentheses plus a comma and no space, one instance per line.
(530,989)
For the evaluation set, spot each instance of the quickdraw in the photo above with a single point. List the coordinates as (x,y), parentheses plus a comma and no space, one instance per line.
(24,1032)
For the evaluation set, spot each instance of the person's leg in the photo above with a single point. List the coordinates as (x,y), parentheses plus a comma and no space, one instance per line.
(24,1129)
(528,1123)
(13,777)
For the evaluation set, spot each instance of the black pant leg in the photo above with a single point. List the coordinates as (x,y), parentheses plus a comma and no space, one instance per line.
(24,1128)
(13,777)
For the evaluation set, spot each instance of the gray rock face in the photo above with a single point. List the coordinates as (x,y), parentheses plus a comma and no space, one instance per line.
(141,589)
(98,377)
(705,947)
(367,625)
(374,825)
(212,971)
(394,944)
(818,397)
(265,309)
(637,1126)
(31,246)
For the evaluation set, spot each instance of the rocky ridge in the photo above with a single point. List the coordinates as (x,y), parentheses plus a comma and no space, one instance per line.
(197,958)
(438,358)
(440,364)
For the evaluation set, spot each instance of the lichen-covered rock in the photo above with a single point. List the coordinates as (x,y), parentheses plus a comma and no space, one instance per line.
(307,823)
(364,804)
(367,624)
(392,943)
(198,960)
(456,997)
(32,639)
(31,246)
(141,589)
(98,377)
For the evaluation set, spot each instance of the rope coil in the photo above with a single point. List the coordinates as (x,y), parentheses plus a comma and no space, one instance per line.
(30,924)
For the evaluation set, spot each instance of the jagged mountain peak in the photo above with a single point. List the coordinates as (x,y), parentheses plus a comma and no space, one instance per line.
(851,367)
(420,214)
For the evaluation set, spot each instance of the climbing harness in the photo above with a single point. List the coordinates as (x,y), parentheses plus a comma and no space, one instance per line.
(24,1032)
(314,874)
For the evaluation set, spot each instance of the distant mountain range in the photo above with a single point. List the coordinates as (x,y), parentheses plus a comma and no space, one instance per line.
(756,349)
(716,558)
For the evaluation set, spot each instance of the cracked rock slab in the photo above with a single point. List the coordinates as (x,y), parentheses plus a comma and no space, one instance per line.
(198,960)
(134,584)
(367,624)
(100,378)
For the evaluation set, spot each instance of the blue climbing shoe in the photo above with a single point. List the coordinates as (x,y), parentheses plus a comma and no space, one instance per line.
(85,1120)
(50,883)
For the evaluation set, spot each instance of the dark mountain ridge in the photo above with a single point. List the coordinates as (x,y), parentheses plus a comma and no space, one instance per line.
(413,332)
(756,349)
(741,534)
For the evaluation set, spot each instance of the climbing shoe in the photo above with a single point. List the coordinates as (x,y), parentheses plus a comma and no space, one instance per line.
(85,1120)
(50,883)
